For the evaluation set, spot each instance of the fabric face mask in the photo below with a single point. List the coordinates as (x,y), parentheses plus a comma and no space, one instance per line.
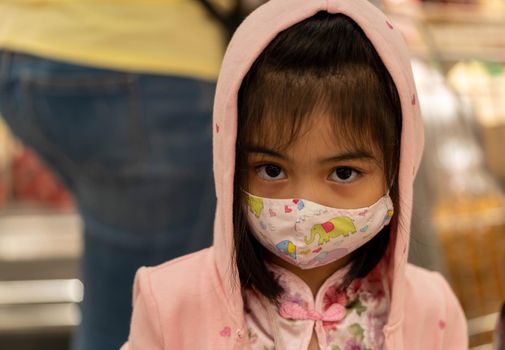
(308,234)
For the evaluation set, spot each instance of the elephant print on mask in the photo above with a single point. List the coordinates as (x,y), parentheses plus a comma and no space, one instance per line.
(338,226)
(255,205)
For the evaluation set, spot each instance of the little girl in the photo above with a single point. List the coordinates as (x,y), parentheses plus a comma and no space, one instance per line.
(317,139)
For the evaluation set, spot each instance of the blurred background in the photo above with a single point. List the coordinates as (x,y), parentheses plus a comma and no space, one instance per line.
(458,57)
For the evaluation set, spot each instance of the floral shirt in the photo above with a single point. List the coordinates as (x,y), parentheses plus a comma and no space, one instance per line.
(350,319)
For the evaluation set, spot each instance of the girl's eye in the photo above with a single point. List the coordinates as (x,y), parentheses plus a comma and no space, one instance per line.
(270,172)
(344,174)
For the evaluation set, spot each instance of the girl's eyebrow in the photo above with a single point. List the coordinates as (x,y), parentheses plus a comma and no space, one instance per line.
(260,149)
(353,155)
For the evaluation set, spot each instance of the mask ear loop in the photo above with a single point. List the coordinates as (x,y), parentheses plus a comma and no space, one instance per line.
(390,185)
(247,193)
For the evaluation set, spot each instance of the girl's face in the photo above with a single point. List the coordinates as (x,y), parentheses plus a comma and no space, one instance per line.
(318,167)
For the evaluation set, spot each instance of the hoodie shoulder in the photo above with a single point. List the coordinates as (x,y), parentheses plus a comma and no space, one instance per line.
(429,286)
(179,292)
(183,277)
(155,290)
(191,263)
(430,302)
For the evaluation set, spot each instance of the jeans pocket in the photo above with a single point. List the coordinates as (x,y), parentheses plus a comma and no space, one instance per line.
(89,115)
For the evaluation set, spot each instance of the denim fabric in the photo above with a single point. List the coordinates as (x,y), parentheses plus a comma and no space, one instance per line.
(135,151)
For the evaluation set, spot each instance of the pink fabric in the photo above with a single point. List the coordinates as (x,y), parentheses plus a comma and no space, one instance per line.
(294,311)
(195,302)
(342,319)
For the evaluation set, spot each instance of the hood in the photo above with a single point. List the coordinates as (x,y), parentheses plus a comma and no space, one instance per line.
(250,39)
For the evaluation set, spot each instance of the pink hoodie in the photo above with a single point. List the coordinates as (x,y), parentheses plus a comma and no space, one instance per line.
(195,302)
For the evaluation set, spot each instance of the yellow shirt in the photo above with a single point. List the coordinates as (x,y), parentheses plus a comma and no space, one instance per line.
(174,37)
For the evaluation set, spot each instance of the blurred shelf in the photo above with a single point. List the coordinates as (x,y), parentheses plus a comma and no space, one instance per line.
(36,341)
(450,32)
(449,13)
(482,324)
(43,318)
(28,208)
(40,248)
(483,347)
(34,233)
(40,292)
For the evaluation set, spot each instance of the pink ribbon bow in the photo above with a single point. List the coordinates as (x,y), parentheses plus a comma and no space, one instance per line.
(294,311)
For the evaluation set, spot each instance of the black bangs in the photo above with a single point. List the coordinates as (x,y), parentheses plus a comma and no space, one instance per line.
(280,104)
(308,73)
(322,67)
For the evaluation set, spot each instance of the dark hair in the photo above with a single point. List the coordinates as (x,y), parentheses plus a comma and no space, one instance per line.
(323,64)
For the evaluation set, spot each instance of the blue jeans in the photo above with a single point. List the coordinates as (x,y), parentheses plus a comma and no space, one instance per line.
(135,151)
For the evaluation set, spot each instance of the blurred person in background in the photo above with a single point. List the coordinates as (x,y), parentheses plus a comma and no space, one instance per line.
(116,97)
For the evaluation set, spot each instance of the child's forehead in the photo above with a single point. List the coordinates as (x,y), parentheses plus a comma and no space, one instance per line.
(315,135)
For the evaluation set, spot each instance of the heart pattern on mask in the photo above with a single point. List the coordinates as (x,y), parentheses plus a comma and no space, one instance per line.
(299,204)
